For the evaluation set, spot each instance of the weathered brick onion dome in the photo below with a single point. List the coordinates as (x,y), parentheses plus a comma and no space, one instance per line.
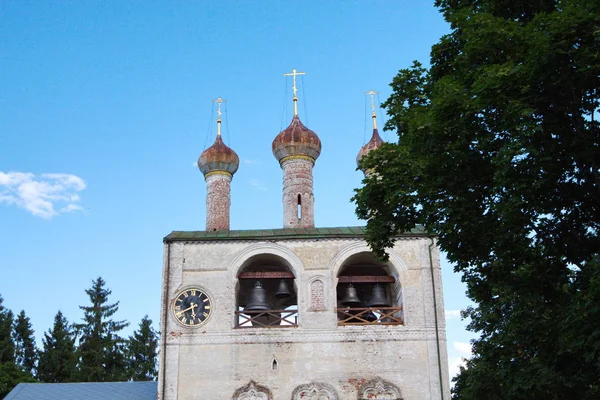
(296,140)
(297,148)
(373,144)
(375,141)
(218,158)
(218,163)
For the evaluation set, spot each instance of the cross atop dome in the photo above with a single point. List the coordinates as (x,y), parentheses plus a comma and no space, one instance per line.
(373,114)
(219,101)
(293,74)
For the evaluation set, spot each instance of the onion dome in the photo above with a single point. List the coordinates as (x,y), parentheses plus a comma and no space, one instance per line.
(218,157)
(296,140)
(373,144)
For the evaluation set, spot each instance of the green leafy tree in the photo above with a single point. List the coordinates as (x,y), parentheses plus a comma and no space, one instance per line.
(142,352)
(499,155)
(26,353)
(101,350)
(58,358)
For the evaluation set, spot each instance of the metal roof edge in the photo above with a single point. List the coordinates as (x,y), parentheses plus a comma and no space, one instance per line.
(279,234)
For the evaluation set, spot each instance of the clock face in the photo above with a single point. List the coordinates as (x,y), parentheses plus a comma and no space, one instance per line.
(192,307)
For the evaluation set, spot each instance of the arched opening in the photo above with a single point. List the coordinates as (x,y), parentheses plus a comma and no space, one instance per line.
(368,293)
(299,206)
(266,294)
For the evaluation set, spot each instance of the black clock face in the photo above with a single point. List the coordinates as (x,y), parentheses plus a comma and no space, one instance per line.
(192,307)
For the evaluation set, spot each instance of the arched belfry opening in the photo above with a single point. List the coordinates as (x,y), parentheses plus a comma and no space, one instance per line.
(266,294)
(368,292)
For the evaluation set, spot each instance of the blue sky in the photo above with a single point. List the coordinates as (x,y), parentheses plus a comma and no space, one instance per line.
(106,106)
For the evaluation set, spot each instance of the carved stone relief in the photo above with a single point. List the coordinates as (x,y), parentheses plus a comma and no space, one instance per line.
(252,391)
(379,389)
(314,391)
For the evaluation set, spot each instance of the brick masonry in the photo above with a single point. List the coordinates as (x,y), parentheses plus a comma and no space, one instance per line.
(317,295)
(298,181)
(218,202)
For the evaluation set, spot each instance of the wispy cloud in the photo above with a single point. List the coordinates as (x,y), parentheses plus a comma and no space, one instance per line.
(463,348)
(452,314)
(249,161)
(257,184)
(45,196)
(464,351)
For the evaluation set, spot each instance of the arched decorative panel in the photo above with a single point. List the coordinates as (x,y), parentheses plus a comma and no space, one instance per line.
(252,391)
(379,389)
(315,391)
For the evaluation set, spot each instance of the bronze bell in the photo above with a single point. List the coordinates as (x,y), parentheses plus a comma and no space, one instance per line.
(258,300)
(351,299)
(283,291)
(379,298)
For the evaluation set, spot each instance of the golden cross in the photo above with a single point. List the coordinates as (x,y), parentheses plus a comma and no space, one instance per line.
(219,101)
(293,74)
(373,114)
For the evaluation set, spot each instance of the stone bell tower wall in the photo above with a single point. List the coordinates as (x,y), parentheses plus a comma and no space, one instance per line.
(216,360)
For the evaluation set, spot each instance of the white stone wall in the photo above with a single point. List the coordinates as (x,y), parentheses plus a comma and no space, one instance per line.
(214,360)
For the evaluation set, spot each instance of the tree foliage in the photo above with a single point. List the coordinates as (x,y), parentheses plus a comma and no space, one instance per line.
(58,359)
(7,346)
(91,351)
(142,352)
(101,351)
(25,350)
(10,376)
(498,154)
(10,373)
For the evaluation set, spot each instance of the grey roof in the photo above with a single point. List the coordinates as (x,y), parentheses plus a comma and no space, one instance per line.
(87,390)
(277,234)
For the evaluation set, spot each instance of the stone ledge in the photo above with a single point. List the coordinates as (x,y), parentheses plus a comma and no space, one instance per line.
(343,334)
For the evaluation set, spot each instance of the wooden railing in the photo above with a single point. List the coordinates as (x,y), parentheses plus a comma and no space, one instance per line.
(267,319)
(369,316)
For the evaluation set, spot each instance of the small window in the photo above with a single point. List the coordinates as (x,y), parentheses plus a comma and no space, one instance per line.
(299,207)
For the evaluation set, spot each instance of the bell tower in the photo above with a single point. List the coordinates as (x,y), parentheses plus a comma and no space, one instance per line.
(269,314)
(297,148)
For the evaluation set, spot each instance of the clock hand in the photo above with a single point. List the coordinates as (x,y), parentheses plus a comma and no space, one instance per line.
(187,309)
(193,313)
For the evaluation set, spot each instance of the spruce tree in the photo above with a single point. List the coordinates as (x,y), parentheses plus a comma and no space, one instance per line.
(58,360)
(7,346)
(101,353)
(142,351)
(10,373)
(25,351)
